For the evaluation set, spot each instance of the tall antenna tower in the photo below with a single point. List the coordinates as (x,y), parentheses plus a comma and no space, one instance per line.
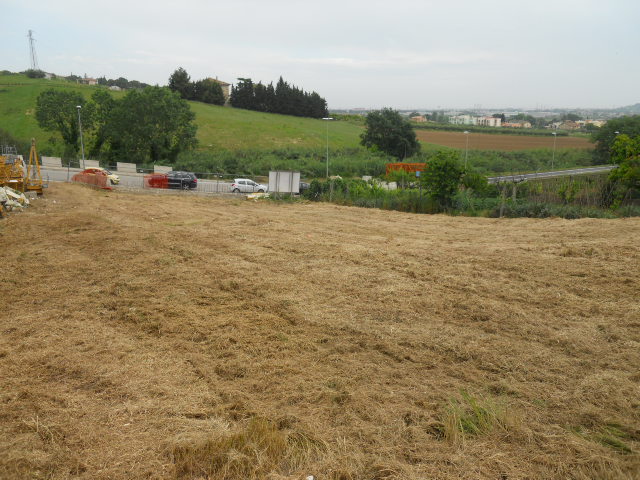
(32,47)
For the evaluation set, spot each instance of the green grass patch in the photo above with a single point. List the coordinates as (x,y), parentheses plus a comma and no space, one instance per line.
(612,435)
(468,416)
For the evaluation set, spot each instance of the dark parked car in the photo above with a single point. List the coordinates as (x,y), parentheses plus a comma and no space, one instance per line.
(182,180)
(304,186)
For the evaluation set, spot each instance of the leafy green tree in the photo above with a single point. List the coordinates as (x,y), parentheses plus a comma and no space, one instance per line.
(606,135)
(121,82)
(476,182)
(34,73)
(103,105)
(180,82)
(56,111)
(151,124)
(261,97)
(389,132)
(625,152)
(571,117)
(442,177)
(242,95)
(208,91)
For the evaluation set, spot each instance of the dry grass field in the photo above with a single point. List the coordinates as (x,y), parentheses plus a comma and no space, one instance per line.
(486,141)
(167,336)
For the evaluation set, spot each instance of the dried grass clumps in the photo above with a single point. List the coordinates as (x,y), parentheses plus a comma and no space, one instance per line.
(470,416)
(612,435)
(606,390)
(254,452)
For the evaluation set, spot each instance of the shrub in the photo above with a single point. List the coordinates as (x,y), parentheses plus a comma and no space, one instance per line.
(34,73)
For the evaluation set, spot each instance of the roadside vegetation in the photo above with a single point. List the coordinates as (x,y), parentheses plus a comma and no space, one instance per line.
(446,186)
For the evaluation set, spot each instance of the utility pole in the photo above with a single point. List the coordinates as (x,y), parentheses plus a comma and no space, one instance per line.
(81,141)
(553,158)
(327,120)
(466,152)
(32,48)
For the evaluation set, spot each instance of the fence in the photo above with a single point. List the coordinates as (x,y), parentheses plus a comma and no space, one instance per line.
(582,190)
(152,180)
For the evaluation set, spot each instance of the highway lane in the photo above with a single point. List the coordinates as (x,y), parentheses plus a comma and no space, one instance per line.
(559,173)
(131,180)
(136,180)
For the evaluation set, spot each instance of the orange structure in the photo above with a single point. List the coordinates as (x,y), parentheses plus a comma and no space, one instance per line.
(407,167)
(93,177)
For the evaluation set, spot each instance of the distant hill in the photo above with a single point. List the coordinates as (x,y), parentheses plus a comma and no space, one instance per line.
(219,128)
(631,109)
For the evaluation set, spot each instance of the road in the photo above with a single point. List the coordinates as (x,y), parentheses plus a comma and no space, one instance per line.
(559,173)
(136,180)
(132,180)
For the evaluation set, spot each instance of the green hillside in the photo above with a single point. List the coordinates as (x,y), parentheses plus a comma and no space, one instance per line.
(219,128)
(226,128)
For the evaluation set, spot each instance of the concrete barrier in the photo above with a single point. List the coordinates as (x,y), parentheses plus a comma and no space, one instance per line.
(161,169)
(126,167)
(90,164)
(51,162)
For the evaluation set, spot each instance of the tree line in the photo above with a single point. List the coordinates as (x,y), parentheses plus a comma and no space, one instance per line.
(145,125)
(121,82)
(283,98)
(206,90)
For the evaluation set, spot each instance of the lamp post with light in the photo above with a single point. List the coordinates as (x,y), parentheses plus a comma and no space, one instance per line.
(553,157)
(466,151)
(81,140)
(327,119)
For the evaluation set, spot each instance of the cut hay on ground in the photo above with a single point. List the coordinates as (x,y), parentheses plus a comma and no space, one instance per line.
(165,336)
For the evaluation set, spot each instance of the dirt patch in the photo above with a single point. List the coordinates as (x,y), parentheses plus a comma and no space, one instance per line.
(486,141)
(178,337)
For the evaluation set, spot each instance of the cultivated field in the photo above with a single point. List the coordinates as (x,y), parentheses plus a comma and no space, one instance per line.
(147,336)
(486,141)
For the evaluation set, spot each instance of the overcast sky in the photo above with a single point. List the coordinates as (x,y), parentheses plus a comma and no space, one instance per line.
(355,53)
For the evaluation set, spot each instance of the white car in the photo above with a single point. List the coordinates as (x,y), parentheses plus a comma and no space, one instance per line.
(244,185)
(113,178)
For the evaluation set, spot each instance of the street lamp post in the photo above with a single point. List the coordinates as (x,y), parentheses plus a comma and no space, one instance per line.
(553,157)
(81,140)
(466,151)
(327,119)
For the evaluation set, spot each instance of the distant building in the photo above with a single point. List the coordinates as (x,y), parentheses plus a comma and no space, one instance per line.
(522,124)
(115,88)
(419,119)
(484,121)
(225,88)
(488,121)
(462,120)
(597,123)
(569,125)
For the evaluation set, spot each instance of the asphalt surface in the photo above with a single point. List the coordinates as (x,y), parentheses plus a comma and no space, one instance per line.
(136,180)
(558,173)
(132,180)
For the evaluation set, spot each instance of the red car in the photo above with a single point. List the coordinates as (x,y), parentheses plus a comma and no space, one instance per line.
(179,180)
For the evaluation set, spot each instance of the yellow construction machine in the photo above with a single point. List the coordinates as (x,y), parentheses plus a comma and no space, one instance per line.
(14,173)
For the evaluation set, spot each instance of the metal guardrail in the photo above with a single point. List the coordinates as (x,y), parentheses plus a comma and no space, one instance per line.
(516,178)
